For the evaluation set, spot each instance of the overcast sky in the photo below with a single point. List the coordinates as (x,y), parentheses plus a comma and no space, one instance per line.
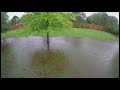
(19,14)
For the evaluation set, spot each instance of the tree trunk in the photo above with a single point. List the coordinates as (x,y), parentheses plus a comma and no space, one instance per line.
(48,48)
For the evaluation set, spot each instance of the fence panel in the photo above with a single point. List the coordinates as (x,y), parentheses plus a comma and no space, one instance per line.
(90,26)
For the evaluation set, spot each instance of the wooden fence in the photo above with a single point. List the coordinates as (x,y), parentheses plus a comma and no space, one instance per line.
(90,26)
(75,24)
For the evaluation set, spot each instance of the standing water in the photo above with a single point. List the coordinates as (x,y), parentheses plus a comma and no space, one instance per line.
(26,57)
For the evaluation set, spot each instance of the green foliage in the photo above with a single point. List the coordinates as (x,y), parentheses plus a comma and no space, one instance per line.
(102,18)
(112,25)
(4,21)
(79,17)
(26,18)
(98,18)
(39,21)
(73,16)
(14,20)
(76,32)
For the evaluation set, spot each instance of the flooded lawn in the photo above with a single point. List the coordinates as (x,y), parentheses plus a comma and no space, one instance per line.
(28,57)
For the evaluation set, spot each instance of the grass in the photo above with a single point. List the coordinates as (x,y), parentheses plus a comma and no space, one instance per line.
(74,32)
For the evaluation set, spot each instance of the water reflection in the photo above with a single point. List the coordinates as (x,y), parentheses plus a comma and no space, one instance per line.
(49,64)
(77,57)
(7,60)
(115,65)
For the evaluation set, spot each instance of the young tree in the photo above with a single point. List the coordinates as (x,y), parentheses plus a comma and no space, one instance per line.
(46,21)
(49,20)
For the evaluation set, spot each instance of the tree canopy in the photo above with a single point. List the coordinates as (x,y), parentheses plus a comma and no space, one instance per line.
(38,21)
(4,21)
(79,17)
(15,20)
(102,18)
(98,18)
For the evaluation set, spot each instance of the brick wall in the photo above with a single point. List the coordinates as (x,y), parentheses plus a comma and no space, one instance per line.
(16,26)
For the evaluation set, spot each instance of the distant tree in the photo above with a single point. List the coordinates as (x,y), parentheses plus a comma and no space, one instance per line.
(80,17)
(89,20)
(4,22)
(98,18)
(14,20)
(83,15)
(102,18)
(112,25)
(27,18)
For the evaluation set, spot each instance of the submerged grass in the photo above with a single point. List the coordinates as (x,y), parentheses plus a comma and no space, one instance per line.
(115,65)
(49,64)
(7,62)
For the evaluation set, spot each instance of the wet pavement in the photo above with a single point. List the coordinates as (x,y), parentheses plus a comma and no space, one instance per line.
(68,58)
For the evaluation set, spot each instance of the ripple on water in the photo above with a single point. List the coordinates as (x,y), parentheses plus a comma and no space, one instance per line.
(86,57)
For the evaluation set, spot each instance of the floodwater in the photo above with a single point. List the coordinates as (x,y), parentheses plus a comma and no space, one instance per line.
(28,57)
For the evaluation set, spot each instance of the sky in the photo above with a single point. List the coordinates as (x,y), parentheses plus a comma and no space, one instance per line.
(11,14)
(19,14)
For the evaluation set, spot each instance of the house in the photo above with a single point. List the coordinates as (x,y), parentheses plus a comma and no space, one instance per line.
(16,26)
(15,23)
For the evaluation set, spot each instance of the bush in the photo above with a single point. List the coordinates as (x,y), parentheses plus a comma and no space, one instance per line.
(113,29)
